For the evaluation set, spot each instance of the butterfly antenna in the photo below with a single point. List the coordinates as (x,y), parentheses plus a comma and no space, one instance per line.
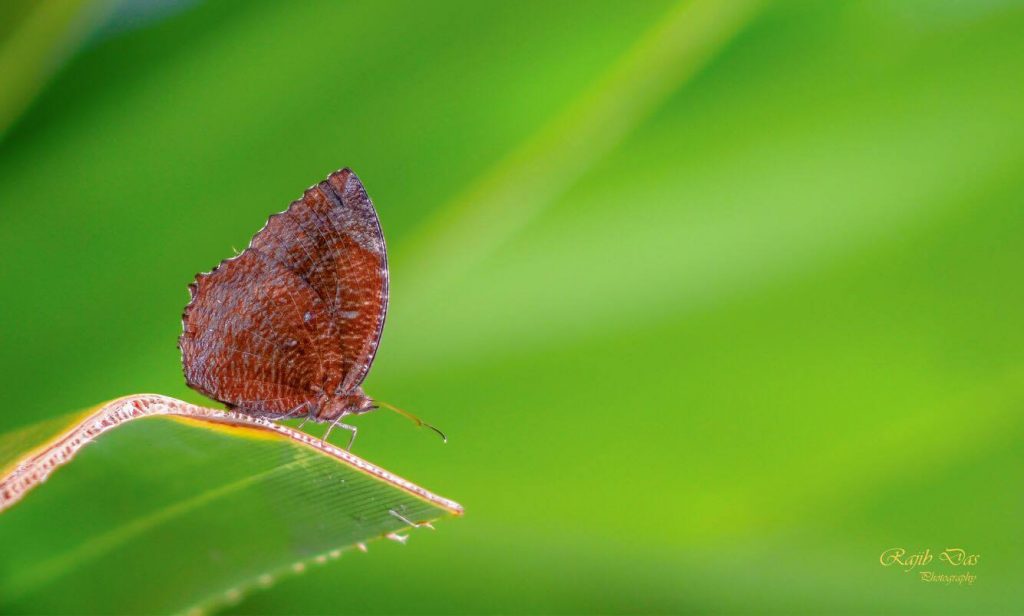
(419,422)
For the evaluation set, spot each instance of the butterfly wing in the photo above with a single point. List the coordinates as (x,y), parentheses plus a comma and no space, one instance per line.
(331,238)
(248,337)
(299,312)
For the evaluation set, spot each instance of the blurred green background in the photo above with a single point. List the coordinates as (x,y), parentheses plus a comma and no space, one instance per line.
(716,301)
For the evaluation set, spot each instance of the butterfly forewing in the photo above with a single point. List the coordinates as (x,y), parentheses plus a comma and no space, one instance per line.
(364,306)
(300,312)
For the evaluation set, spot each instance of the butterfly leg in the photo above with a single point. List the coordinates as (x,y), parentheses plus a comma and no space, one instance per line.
(337,422)
(294,411)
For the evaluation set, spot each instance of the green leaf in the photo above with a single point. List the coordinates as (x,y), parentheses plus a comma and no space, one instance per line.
(170,507)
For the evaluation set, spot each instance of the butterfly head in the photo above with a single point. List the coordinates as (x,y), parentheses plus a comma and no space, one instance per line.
(352,403)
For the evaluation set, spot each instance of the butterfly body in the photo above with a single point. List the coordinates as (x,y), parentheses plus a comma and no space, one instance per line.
(290,326)
(331,407)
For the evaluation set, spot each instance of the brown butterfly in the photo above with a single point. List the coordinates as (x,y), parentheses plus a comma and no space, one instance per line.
(290,326)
